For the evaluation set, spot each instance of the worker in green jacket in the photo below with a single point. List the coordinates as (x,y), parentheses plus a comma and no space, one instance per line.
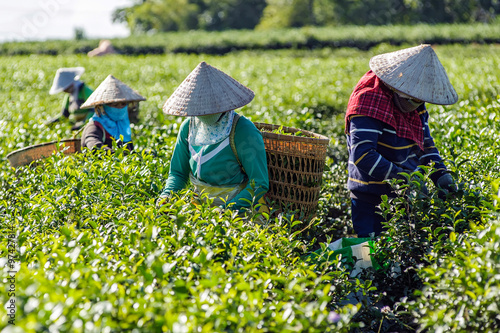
(68,80)
(220,152)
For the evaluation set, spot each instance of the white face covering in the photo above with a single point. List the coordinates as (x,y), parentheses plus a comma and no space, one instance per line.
(210,129)
(210,119)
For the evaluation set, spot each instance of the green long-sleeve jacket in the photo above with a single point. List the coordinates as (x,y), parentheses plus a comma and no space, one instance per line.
(223,169)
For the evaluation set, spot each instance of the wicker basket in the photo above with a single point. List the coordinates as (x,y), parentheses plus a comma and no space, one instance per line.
(295,165)
(26,155)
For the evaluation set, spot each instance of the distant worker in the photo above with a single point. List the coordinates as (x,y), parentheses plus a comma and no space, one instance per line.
(104,48)
(111,101)
(388,132)
(68,80)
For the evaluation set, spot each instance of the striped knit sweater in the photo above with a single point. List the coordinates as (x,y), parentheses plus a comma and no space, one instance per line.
(376,154)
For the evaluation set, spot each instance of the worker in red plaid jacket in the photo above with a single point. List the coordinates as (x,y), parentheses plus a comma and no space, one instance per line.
(387,129)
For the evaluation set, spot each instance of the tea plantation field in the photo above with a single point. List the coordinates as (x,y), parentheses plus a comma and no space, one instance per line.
(83,248)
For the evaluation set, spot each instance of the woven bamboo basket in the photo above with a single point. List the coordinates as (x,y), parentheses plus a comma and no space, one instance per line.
(295,165)
(26,155)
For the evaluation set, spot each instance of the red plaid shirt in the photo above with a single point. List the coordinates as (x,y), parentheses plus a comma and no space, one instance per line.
(373,99)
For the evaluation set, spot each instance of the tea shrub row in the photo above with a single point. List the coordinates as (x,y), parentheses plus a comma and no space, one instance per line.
(94,254)
(219,43)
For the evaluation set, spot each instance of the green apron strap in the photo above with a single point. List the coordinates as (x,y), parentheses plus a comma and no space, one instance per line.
(231,140)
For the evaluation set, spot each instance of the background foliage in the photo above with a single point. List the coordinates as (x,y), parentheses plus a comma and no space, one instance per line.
(96,255)
(175,15)
(307,38)
(182,15)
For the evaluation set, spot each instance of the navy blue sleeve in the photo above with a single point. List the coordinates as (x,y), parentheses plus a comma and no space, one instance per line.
(431,153)
(364,134)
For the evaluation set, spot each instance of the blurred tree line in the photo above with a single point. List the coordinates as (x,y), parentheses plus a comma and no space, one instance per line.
(180,15)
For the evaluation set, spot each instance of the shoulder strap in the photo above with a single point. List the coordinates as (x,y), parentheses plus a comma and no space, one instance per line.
(231,140)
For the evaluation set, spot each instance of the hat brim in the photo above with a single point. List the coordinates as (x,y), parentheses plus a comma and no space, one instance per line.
(109,101)
(64,78)
(207,90)
(416,72)
(112,90)
(56,90)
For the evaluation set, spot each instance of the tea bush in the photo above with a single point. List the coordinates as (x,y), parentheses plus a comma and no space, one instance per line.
(420,230)
(94,253)
(310,38)
(461,290)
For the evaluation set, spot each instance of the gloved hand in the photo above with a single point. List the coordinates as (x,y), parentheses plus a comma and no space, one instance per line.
(445,185)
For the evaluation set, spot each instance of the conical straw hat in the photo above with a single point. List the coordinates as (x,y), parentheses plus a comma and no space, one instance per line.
(417,72)
(207,90)
(112,90)
(64,78)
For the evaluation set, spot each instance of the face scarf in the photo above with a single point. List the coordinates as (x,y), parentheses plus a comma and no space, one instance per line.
(405,104)
(210,119)
(115,121)
(210,129)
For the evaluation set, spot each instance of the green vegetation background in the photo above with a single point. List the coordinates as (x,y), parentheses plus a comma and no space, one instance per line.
(95,255)
(307,38)
(183,15)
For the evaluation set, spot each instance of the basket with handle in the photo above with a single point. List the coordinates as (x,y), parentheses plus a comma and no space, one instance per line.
(26,155)
(295,165)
